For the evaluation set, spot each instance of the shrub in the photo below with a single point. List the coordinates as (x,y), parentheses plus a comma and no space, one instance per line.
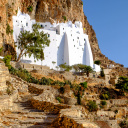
(123,124)
(7,60)
(84,84)
(1,49)
(30,8)
(92,106)
(98,62)
(8,91)
(105,96)
(45,81)
(59,99)
(8,29)
(116,111)
(122,84)
(103,102)
(64,17)
(102,73)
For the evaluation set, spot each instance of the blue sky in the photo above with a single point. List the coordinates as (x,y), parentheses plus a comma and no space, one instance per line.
(109,19)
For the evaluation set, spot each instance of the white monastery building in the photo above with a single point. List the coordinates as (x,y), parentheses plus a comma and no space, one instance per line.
(68,43)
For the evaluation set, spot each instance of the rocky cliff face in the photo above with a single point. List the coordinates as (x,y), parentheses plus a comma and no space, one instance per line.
(48,10)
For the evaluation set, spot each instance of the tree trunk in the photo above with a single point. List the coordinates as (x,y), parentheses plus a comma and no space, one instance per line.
(20,55)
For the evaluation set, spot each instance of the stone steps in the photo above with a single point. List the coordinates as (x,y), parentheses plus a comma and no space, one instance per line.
(27,117)
(84,122)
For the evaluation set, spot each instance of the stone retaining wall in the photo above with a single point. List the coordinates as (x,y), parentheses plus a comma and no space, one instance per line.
(48,106)
(4,76)
(7,102)
(65,122)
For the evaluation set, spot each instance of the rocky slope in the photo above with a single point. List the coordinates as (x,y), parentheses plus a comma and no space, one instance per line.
(48,10)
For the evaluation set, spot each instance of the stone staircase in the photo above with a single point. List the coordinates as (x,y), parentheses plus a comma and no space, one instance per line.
(27,117)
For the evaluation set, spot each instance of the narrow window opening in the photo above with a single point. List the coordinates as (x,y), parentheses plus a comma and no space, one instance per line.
(48,35)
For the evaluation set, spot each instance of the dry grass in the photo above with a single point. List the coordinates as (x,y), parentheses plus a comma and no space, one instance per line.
(39,76)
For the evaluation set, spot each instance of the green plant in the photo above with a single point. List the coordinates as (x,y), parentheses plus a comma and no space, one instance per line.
(102,73)
(84,84)
(122,84)
(123,124)
(92,106)
(98,62)
(116,111)
(8,91)
(7,60)
(8,29)
(103,103)
(16,11)
(104,96)
(65,67)
(64,17)
(32,43)
(59,99)
(82,2)
(30,8)
(1,49)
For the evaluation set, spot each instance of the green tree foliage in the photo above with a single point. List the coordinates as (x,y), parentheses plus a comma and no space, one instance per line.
(32,43)
(75,67)
(103,102)
(85,69)
(30,8)
(102,73)
(65,67)
(122,84)
(7,60)
(92,106)
(88,70)
(98,62)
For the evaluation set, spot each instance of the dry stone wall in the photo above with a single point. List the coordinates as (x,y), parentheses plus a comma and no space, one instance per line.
(4,76)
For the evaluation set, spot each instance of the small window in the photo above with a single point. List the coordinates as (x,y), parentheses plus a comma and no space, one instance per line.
(84,40)
(63,28)
(16,20)
(45,25)
(21,21)
(73,39)
(71,34)
(48,35)
(41,26)
(77,37)
(26,24)
(74,45)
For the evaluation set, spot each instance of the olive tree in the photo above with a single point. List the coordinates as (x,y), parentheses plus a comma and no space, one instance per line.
(32,43)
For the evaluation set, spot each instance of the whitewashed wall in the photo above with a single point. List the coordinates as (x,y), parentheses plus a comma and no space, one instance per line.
(68,42)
